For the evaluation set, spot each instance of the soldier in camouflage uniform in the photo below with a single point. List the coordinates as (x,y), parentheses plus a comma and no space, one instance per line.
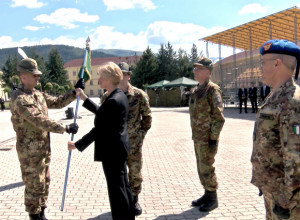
(138,123)
(276,138)
(206,121)
(29,109)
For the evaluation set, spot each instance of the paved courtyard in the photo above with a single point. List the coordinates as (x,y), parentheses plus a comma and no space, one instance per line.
(170,177)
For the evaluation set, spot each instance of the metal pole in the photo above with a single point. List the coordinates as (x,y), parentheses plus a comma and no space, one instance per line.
(72,137)
(207,52)
(295,29)
(220,66)
(234,63)
(270,30)
(251,54)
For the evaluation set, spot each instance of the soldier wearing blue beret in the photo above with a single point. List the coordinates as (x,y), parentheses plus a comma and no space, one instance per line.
(276,138)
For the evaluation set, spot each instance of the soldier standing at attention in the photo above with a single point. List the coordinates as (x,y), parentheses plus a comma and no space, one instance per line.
(138,123)
(206,121)
(276,138)
(29,109)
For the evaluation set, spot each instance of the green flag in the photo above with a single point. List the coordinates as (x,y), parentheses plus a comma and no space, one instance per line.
(86,65)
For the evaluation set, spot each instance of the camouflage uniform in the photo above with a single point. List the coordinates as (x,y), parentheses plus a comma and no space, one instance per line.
(206,121)
(138,123)
(276,147)
(32,126)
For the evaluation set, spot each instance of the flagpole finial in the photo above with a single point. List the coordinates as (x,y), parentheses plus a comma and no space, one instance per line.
(88,40)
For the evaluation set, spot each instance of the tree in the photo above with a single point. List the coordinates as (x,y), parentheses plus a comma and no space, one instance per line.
(167,63)
(185,68)
(194,54)
(48,87)
(145,71)
(56,72)
(9,70)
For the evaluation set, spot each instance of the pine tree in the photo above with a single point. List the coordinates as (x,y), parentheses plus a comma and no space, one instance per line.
(9,70)
(56,72)
(184,66)
(145,71)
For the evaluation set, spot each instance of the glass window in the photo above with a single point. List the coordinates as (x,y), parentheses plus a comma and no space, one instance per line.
(92,92)
(74,73)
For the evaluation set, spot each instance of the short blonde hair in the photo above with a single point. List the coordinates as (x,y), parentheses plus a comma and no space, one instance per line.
(112,71)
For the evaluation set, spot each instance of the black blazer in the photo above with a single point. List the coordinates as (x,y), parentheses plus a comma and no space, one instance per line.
(268,90)
(253,93)
(241,92)
(110,128)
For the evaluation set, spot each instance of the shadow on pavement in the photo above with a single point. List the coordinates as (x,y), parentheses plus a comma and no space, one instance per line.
(192,213)
(104,216)
(11,186)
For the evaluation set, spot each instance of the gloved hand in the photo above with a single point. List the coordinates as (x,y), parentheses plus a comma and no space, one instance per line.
(80,84)
(281,212)
(72,128)
(212,143)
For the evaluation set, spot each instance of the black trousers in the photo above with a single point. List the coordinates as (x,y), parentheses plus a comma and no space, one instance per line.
(254,104)
(120,195)
(241,104)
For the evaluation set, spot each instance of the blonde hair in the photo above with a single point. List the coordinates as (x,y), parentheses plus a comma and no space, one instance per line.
(111,71)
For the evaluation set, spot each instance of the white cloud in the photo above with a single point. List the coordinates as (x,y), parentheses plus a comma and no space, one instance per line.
(253,9)
(66,17)
(27,3)
(129,4)
(179,35)
(33,28)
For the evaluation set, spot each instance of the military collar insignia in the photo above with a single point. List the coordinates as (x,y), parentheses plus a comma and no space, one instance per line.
(296,129)
(267,46)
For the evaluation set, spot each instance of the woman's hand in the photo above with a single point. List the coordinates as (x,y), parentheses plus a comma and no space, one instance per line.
(80,93)
(71,145)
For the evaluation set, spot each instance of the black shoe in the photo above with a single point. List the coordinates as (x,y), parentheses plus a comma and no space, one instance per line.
(42,214)
(246,112)
(211,202)
(201,200)
(137,208)
(34,217)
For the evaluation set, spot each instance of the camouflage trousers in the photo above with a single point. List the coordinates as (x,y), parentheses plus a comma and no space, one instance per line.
(135,163)
(270,203)
(36,178)
(205,156)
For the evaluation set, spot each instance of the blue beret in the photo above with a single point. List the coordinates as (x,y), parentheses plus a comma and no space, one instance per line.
(280,47)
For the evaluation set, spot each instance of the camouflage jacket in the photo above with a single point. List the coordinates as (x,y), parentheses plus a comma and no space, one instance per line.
(206,109)
(30,120)
(139,116)
(276,145)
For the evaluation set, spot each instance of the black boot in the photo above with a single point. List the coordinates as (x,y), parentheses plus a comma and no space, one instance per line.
(34,217)
(42,214)
(201,200)
(137,208)
(211,202)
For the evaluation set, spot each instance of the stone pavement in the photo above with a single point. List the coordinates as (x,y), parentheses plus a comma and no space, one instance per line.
(170,175)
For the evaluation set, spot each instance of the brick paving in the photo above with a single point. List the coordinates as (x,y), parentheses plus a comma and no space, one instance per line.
(170,177)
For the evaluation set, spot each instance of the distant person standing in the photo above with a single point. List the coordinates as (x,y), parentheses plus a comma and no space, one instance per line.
(276,138)
(207,120)
(2,104)
(243,96)
(264,92)
(253,97)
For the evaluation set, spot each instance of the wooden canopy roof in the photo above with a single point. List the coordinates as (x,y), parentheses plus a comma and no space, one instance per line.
(280,25)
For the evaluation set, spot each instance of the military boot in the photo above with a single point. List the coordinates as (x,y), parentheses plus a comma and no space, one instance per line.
(210,203)
(201,200)
(137,208)
(34,217)
(42,214)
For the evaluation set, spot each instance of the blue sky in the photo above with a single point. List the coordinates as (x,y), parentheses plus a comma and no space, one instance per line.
(127,24)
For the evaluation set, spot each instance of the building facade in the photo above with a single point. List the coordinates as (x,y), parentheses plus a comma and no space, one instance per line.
(92,88)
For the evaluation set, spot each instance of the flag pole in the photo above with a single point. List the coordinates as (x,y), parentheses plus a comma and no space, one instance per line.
(72,136)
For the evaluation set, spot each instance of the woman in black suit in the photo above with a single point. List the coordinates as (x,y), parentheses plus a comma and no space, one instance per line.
(111,140)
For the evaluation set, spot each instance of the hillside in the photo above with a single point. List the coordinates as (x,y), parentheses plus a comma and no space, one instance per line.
(66,52)
(121,53)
